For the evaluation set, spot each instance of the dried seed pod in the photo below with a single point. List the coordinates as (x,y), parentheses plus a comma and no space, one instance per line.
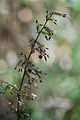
(11,92)
(41,81)
(47,11)
(15,68)
(29,70)
(46,37)
(45,58)
(19,70)
(49,38)
(36,21)
(40,56)
(55,23)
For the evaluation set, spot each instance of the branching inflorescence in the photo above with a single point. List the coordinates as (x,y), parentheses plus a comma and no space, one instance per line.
(31,73)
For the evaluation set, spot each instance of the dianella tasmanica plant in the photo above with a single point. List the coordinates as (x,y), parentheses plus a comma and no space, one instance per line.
(29,70)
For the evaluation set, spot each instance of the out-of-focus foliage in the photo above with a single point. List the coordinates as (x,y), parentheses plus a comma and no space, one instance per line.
(59,94)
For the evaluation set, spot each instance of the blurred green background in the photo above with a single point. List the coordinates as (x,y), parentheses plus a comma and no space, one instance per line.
(59,94)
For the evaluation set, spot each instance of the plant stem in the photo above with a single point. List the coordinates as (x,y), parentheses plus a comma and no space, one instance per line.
(18,95)
(30,55)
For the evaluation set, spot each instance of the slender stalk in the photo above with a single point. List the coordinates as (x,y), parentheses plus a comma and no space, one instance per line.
(18,95)
(30,55)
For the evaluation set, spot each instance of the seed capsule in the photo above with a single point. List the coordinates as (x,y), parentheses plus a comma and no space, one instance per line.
(40,56)
(49,38)
(29,70)
(40,81)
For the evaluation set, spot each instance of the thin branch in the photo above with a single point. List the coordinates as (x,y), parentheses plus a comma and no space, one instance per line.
(9,84)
